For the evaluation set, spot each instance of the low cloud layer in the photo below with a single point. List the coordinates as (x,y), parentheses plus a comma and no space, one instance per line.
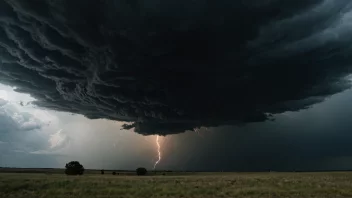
(173,66)
(20,132)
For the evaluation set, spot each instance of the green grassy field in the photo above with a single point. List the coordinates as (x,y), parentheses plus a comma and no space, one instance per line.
(336,184)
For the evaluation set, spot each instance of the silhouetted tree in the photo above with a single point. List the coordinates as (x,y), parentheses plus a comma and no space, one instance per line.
(141,171)
(102,171)
(74,168)
(114,173)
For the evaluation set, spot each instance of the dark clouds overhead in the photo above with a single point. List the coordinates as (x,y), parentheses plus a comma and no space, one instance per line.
(176,65)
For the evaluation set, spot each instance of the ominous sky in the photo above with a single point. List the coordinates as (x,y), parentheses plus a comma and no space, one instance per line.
(245,85)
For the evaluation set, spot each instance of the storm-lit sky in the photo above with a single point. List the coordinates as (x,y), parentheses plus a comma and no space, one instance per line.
(227,85)
(35,137)
(313,139)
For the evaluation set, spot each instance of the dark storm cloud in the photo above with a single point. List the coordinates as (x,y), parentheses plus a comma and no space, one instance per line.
(310,140)
(176,65)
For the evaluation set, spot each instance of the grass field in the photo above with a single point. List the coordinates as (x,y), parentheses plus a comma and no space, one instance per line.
(26,185)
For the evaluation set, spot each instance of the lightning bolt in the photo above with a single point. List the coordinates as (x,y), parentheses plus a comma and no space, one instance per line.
(158,149)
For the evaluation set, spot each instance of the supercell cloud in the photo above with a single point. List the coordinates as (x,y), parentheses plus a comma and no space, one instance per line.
(171,66)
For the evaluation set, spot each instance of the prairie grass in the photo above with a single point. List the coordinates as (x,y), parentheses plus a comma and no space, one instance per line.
(270,185)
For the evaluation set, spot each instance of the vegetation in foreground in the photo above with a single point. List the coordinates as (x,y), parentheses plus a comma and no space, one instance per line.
(271,185)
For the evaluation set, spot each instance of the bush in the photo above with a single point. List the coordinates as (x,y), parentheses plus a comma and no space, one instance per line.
(141,171)
(74,168)
(102,171)
(114,173)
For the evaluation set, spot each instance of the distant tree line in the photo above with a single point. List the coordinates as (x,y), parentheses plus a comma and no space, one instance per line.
(75,168)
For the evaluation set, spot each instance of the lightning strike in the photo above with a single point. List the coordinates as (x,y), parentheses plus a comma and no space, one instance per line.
(158,149)
(197,130)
